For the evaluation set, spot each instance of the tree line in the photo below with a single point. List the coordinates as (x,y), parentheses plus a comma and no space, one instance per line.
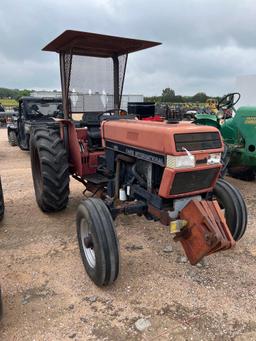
(14,93)
(168,95)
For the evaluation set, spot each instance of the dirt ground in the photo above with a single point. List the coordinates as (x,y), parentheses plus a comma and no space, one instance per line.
(48,296)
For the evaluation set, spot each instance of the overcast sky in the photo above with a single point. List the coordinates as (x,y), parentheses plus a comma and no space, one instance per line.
(206,43)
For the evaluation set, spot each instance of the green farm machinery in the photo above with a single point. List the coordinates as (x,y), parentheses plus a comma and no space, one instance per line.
(238,128)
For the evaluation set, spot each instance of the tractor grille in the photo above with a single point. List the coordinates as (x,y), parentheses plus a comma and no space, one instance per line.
(197,141)
(186,182)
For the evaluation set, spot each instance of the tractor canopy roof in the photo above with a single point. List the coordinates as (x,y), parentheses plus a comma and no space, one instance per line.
(93,64)
(96,45)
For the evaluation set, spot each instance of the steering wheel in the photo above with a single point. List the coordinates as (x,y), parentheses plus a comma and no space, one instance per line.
(228,101)
(35,108)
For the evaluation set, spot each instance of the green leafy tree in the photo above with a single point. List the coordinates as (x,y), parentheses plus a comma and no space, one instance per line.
(168,95)
(179,99)
(200,97)
(155,99)
(24,92)
(13,93)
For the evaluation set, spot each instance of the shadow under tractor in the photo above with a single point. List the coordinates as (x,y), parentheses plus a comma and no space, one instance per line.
(166,171)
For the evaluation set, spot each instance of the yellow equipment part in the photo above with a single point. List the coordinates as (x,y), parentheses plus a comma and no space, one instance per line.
(177,225)
(211,103)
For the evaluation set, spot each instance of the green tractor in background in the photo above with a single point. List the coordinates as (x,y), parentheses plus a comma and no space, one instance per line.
(238,129)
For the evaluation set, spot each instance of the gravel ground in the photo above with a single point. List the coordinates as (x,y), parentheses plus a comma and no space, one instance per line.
(48,296)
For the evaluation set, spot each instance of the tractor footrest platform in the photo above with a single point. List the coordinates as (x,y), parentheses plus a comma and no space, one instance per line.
(96,179)
(206,232)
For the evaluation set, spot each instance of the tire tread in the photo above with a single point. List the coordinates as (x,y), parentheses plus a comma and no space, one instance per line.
(54,169)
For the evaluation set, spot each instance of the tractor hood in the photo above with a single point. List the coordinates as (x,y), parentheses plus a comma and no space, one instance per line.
(162,137)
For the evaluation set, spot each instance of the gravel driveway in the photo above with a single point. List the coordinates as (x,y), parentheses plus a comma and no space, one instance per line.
(158,296)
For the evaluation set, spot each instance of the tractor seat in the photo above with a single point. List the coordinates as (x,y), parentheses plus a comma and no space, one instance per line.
(91,120)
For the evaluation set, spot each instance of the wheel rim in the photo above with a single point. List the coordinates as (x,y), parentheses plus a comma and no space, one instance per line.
(87,243)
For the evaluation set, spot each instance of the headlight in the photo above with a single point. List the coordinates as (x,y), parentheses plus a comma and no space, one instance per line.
(184,161)
(214,158)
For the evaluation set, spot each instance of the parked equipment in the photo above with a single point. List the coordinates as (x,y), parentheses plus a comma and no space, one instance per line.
(4,117)
(141,109)
(238,133)
(161,170)
(12,129)
(32,111)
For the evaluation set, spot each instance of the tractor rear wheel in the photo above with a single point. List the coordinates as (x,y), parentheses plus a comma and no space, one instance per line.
(50,169)
(231,200)
(12,138)
(245,173)
(98,242)
(1,202)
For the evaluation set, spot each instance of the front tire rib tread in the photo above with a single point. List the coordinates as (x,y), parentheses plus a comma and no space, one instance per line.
(236,212)
(107,259)
(111,237)
(242,209)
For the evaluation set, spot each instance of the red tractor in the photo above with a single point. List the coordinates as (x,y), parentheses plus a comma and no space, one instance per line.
(166,171)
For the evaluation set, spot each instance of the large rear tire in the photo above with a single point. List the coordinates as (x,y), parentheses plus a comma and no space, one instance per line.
(12,138)
(231,200)
(1,201)
(242,173)
(50,170)
(98,242)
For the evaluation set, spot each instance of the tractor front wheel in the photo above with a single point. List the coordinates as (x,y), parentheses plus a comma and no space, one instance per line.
(50,170)
(1,202)
(12,138)
(232,202)
(98,242)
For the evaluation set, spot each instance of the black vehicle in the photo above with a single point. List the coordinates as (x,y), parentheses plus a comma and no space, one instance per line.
(2,115)
(33,111)
(12,129)
(5,115)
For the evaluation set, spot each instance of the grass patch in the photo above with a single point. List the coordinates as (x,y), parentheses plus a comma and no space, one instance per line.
(6,102)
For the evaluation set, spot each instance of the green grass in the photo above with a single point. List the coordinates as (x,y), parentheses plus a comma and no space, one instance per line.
(6,102)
